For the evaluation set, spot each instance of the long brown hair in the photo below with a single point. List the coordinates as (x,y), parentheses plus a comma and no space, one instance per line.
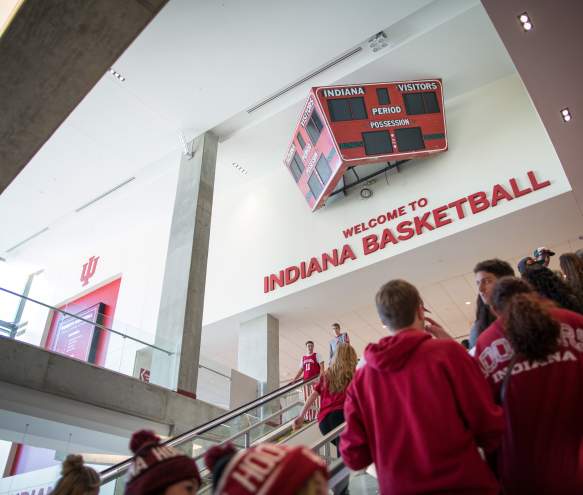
(76,479)
(341,371)
(572,267)
(529,325)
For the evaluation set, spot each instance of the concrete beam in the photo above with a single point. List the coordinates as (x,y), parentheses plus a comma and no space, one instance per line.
(51,55)
(44,372)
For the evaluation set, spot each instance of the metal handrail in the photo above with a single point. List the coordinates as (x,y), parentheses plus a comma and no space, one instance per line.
(337,469)
(99,325)
(117,470)
(328,437)
(247,430)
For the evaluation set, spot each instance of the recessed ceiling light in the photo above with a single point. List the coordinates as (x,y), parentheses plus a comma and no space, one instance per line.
(117,75)
(468,302)
(566,114)
(238,167)
(525,21)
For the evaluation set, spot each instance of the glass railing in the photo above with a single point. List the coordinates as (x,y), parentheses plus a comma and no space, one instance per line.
(82,334)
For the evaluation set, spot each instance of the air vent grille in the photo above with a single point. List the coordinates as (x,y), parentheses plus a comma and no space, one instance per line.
(301,81)
(107,193)
(27,239)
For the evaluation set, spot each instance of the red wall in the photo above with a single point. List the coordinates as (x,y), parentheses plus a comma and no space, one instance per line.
(107,295)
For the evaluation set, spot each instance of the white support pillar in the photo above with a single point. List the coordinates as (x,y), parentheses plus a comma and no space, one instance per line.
(258,354)
(180,317)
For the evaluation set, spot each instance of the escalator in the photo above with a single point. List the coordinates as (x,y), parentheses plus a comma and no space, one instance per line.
(266,419)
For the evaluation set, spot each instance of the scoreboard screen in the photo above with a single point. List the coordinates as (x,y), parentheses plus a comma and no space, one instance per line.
(346,126)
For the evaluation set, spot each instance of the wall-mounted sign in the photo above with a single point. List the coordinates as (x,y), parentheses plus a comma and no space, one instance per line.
(44,489)
(402,223)
(88,270)
(345,126)
(77,338)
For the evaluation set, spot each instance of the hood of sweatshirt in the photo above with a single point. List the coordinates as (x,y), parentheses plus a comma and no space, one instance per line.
(392,353)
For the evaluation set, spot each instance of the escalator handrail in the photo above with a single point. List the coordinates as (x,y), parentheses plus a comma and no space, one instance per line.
(114,471)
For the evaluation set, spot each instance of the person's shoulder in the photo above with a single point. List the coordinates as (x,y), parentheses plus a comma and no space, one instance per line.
(442,346)
(359,375)
(489,334)
(567,316)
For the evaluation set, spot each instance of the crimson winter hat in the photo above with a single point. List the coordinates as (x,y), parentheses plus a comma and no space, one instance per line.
(267,469)
(155,467)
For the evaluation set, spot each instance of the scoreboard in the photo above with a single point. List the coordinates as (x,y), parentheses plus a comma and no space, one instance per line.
(346,126)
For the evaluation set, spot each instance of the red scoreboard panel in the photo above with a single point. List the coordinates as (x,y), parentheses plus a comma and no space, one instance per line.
(345,126)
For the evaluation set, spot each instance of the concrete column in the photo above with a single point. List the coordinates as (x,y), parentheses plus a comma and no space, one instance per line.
(258,354)
(180,317)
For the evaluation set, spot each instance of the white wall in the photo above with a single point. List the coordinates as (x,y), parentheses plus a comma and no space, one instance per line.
(129,232)
(264,225)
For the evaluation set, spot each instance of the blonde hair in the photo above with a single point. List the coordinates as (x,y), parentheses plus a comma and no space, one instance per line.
(341,371)
(317,483)
(76,478)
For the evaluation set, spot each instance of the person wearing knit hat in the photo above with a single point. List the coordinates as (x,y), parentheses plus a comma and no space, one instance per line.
(159,470)
(267,469)
(76,478)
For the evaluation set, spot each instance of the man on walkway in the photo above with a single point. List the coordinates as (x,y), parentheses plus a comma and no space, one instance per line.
(420,407)
(340,337)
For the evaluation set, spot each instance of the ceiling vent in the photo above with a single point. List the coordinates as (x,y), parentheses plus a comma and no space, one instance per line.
(107,193)
(21,243)
(301,81)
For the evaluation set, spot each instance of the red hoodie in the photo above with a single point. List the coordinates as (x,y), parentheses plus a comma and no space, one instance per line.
(419,409)
(542,448)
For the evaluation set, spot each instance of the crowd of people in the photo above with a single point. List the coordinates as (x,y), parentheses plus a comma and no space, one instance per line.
(433,417)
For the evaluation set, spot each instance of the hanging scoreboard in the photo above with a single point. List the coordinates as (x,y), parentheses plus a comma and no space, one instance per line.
(346,126)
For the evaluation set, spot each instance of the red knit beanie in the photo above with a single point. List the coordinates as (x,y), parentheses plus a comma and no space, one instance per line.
(267,469)
(155,467)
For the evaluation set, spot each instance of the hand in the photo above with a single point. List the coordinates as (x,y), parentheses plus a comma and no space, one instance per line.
(298,422)
(435,329)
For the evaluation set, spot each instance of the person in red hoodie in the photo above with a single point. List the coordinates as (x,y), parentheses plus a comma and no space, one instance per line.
(332,391)
(542,447)
(420,407)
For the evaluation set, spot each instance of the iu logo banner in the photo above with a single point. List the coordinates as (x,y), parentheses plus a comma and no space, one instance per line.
(88,270)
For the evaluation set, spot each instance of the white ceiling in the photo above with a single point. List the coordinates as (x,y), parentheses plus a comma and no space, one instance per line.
(197,66)
(200,65)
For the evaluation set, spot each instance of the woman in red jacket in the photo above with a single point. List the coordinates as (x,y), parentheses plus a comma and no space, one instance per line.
(332,391)
(542,345)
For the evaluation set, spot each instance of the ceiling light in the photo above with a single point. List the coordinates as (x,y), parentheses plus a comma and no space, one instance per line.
(525,21)
(117,75)
(378,41)
(566,115)
(238,167)
(468,302)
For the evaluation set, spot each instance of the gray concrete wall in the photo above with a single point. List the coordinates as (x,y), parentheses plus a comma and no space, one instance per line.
(42,372)
(51,56)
